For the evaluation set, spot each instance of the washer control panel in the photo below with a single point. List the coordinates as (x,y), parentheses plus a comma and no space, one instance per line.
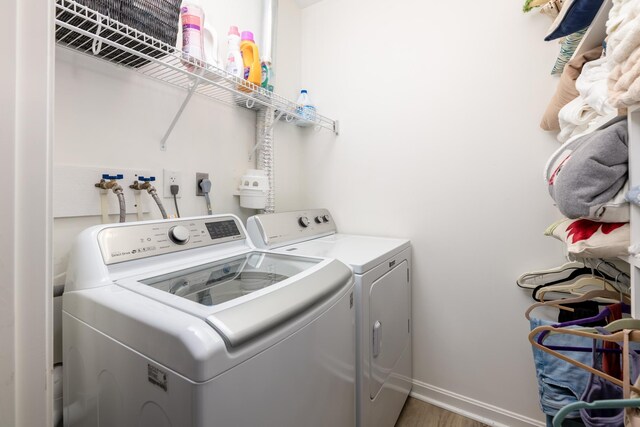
(136,241)
(278,229)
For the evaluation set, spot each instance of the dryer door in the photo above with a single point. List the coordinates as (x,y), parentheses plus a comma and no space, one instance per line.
(389,313)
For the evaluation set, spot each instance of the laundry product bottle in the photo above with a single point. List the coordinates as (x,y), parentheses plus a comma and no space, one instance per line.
(234,63)
(199,38)
(192,17)
(250,58)
(267,75)
(305,109)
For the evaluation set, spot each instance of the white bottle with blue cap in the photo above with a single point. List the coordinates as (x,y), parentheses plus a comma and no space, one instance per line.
(306,110)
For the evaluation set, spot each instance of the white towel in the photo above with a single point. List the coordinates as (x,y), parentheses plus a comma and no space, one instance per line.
(592,85)
(574,118)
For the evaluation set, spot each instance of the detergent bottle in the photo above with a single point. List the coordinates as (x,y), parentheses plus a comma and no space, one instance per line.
(250,58)
(234,64)
(199,38)
(267,75)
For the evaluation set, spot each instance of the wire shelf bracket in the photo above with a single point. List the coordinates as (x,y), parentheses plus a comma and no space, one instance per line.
(163,141)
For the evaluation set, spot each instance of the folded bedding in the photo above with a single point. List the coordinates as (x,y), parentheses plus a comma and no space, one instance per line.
(586,176)
(592,86)
(574,118)
(624,82)
(566,90)
(620,10)
(623,49)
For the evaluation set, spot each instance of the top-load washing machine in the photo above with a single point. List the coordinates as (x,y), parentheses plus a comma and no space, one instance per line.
(184,323)
(381,268)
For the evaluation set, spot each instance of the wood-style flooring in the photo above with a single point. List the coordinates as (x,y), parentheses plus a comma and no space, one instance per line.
(417,413)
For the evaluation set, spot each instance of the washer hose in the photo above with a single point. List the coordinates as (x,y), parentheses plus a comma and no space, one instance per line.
(156,198)
(123,208)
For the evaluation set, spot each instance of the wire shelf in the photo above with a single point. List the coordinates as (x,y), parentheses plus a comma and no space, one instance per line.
(87,31)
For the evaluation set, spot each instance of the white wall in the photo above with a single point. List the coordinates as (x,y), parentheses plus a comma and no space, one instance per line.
(439,105)
(7,219)
(25,221)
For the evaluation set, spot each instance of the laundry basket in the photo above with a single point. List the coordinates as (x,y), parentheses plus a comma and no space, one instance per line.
(156,18)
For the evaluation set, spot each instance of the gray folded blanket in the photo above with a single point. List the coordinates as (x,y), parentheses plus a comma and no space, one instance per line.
(585,174)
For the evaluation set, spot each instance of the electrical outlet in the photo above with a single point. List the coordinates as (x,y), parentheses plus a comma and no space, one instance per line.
(171,178)
(199,177)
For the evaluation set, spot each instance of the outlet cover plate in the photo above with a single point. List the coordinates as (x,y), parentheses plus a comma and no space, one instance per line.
(199,177)
(169,178)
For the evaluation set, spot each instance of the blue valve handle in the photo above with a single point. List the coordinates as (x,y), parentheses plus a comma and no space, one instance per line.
(148,179)
(107,176)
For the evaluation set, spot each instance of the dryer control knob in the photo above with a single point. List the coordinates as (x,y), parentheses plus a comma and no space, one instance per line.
(179,234)
(318,219)
(303,221)
(325,218)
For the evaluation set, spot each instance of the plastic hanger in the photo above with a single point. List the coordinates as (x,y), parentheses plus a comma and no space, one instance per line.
(576,287)
(573,276)
(601,293)
(600,404)
(625,308)
(621,324)
(624,336)
(577,274)
(569,267)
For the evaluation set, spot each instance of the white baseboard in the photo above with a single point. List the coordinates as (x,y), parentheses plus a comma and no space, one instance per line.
(471,408)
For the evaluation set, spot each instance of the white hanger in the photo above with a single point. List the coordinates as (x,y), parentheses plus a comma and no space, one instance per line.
(533,279)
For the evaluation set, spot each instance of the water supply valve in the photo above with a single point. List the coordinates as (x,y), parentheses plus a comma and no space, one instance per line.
(145,183)
(110,182)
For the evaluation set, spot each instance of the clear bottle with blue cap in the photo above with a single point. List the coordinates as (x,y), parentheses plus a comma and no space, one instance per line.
(305,110)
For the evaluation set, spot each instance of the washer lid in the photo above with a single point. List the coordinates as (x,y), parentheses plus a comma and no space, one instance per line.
(362,253)
(243,322)
(232,293)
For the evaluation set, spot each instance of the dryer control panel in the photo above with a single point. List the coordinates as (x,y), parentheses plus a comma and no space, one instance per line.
(283,228)
(130,242)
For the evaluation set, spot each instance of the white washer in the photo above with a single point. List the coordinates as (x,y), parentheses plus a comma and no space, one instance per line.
(381,268)
(184,323)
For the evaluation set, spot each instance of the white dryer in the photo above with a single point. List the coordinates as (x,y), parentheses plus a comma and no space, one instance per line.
(184,323)
(381,268)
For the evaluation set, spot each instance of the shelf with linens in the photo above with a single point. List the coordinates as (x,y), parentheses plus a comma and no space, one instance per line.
(633,120)
(87,31)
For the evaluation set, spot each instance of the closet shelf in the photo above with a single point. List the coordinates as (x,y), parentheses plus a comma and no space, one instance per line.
(84,30)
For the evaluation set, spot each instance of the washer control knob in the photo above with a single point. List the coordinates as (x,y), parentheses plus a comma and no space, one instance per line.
(179,234)
(318,219)
(303,221)
(325,218)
